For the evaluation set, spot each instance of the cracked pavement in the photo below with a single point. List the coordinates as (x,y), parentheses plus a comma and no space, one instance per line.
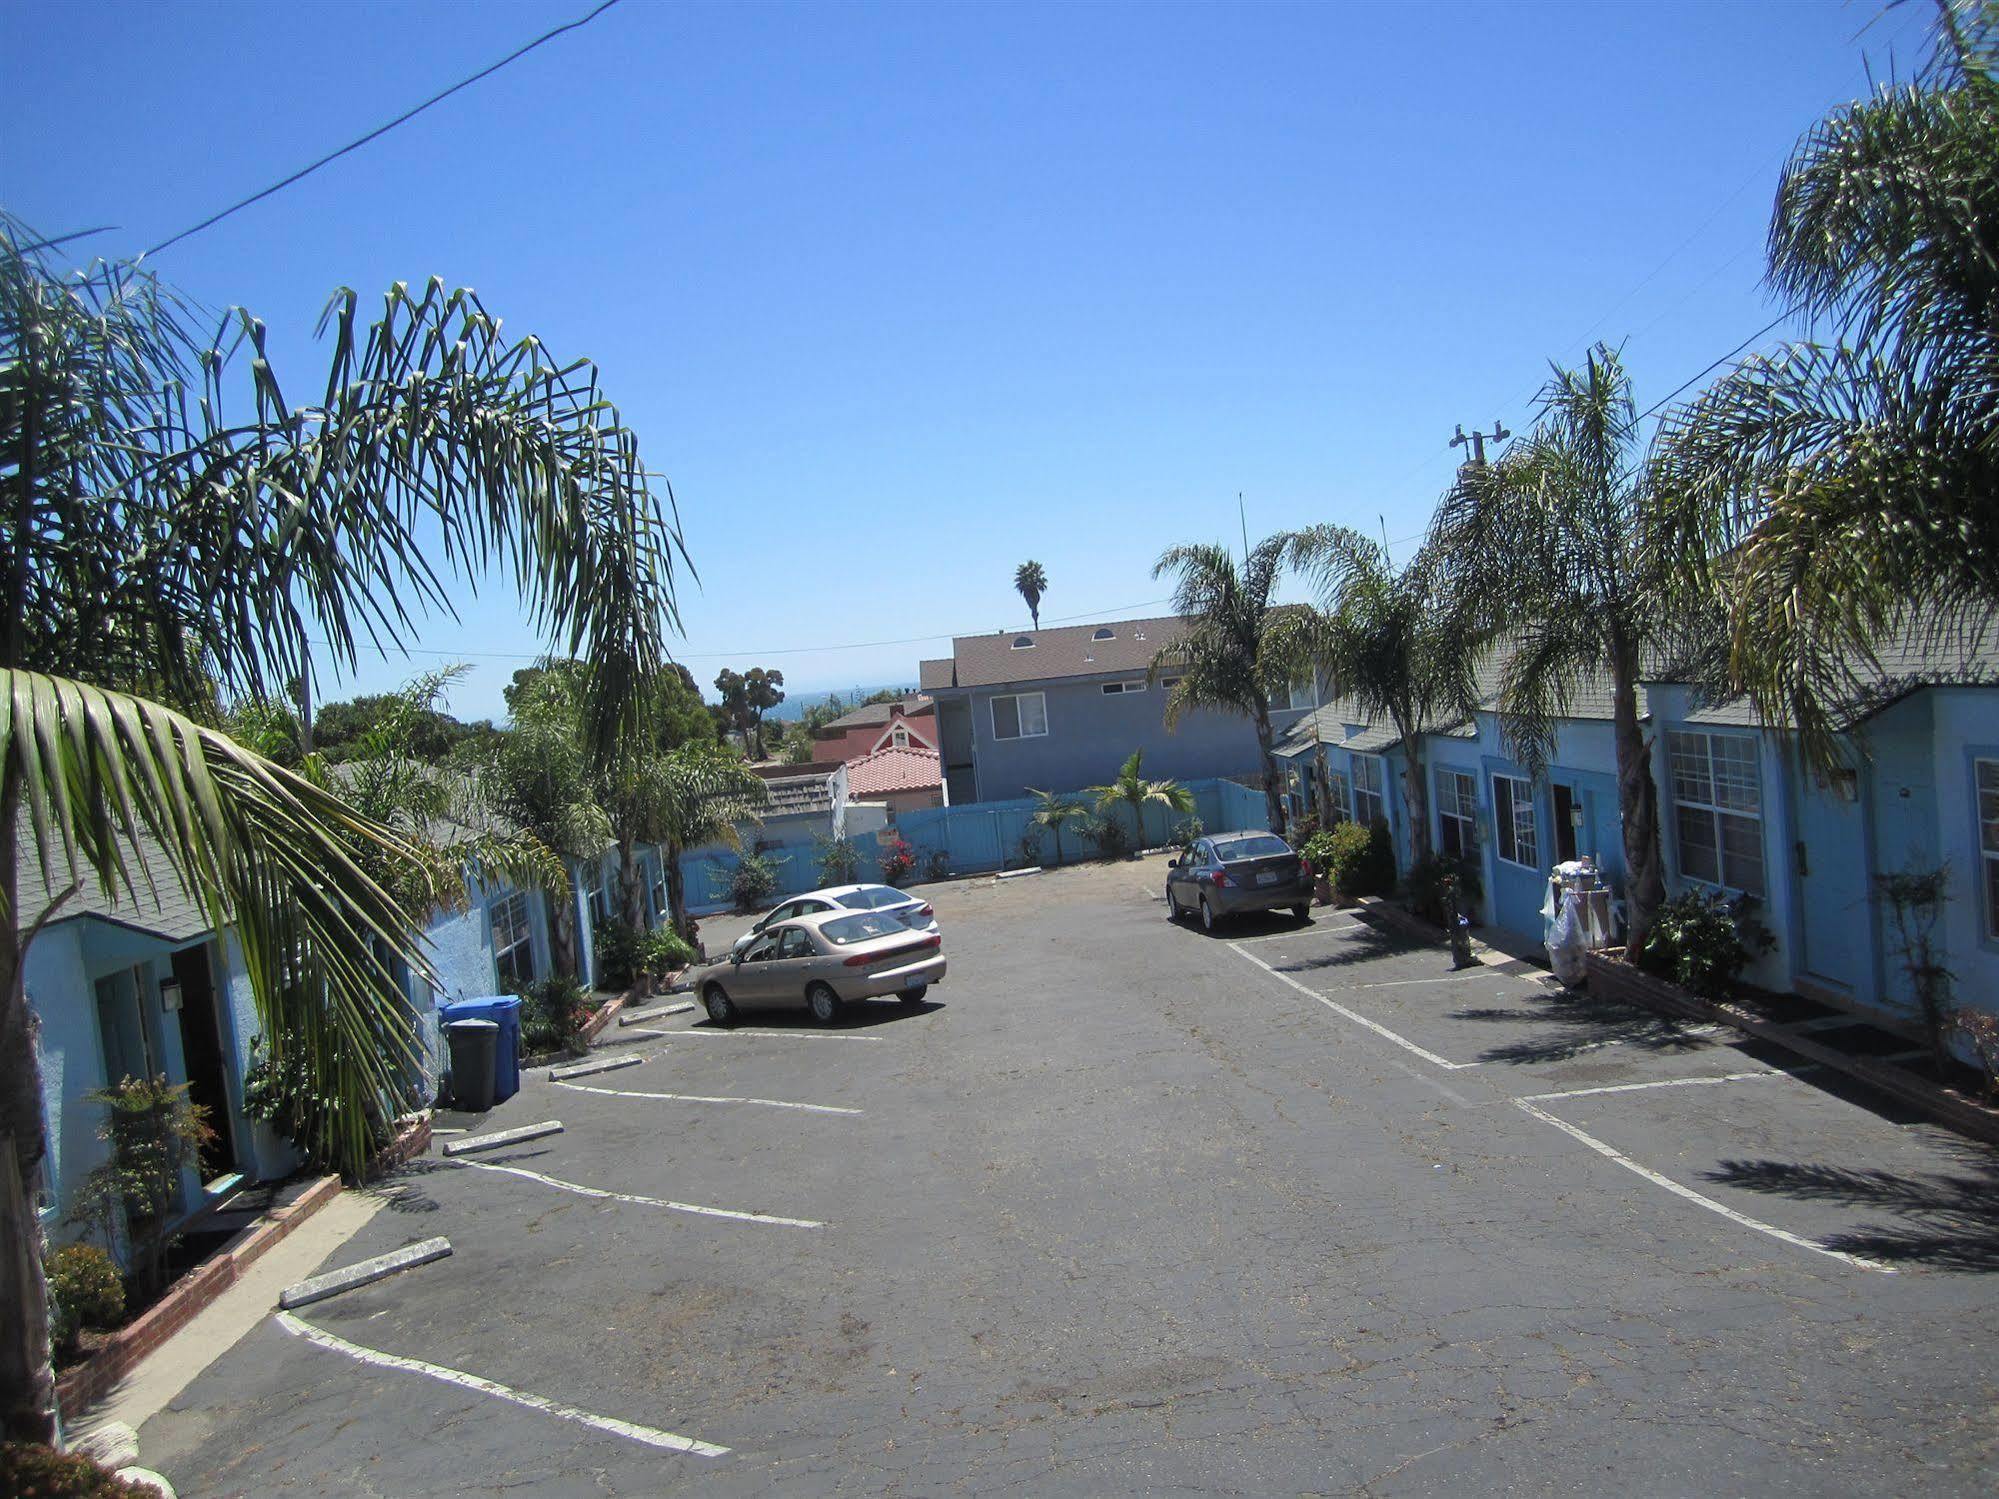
(1126,1213)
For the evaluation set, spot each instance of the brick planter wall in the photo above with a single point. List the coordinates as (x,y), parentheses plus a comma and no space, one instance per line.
(411,1141)
(122,1351)
(1621,982)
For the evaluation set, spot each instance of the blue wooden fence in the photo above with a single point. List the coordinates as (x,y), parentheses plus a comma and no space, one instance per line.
(975,839)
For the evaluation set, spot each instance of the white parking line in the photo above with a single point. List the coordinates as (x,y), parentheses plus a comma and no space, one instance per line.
(744,1035)
(1611,1153)
(1671,1082)
(770,1103)
(1445,978)
(651,1202)
(665,1440)
(1315,930)
(1361,1020)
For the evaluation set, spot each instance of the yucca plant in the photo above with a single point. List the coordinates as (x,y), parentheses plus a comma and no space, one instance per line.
(176,521)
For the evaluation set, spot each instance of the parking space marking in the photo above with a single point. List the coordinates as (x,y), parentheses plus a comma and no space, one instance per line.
(1314,930)
(665,1440)
(1611,1153)
(1445,978)
(1361,1020)
(769,1103)
(1670,1082)
(744,1035)
(642,1201)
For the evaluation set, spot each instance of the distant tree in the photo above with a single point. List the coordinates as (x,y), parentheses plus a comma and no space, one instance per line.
(747,697)
(1238,652)
(1131,789)
(1030,581)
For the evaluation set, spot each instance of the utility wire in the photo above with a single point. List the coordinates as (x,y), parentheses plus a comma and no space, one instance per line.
(381,130)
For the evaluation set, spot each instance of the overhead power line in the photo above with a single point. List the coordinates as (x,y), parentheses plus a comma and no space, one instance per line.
(380,130)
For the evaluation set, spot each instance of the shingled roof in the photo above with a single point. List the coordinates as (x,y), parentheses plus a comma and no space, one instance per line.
(869,714)
(1115,647)
(166,910)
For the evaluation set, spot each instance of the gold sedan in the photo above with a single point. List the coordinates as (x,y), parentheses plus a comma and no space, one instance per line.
(826,960)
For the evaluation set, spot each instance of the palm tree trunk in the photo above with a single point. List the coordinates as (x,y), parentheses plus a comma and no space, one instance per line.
(1415,797)
(27,1382)
(1273,781)
(1638,806)
(631,894)
(676,893)
(563,952)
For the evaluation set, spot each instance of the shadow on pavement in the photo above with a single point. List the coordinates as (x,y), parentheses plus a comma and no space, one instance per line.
(855,1015)
(1365,945)
(1949,1221)
(1575,1023)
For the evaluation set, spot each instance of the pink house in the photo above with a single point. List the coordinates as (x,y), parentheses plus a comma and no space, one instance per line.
(902,777)
(910,723)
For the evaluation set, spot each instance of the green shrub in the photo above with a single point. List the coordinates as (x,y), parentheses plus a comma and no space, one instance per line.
(1701,940)
(937,866)
(1186,833)
(1438,884)
(552,1012)
(839,861)
(156,1135)
(85,1290)
(662,950)
(1028,850)
(897,860)
(1359,861)
(28,1468)
(1112,837)
(1302,831)
(618,953)
(285,1099)
(753,883)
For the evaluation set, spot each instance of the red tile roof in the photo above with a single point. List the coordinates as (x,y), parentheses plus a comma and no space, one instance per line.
(893,769)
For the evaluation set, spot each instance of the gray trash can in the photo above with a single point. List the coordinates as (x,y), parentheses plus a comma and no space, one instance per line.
(474,1044)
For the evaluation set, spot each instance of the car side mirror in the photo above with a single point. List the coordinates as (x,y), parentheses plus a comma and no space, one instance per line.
(736,957)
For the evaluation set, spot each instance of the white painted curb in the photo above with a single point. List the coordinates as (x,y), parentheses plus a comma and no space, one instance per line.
(611,1064)
(319,1287)
(643,1016)
(1018,874)
(504,1137)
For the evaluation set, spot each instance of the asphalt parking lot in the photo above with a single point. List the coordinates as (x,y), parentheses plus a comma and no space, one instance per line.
(1131,1208)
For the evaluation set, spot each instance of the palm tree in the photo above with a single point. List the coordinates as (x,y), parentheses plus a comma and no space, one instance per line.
(1134,791)
(1383,634)
(1823,488)
(1053,812)
(159,543)
(695,795)
(1237,652)
(1547,547)
(1030,582)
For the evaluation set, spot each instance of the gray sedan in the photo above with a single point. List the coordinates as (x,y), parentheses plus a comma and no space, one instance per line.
(1235,873)
(827,959)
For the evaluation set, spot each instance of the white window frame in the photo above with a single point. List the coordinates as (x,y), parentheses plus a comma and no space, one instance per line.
(1985,800)
(1119,689)
(507,904)
(1698,791)
(1508,824)
(899,737)
(1018,699)
(1459,806)
(1307,688)
(1336,795)
(1370,785)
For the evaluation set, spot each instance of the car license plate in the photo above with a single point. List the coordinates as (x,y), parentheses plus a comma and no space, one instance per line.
(1268,877)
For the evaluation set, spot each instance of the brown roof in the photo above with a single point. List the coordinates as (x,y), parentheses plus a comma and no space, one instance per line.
(934,674)
(874,713)
(1071,651)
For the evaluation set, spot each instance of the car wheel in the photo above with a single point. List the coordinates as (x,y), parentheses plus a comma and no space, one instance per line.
(1172,905)
(914,996)
(1301,913)
(823,1003)
(721,1008)
(1208,917)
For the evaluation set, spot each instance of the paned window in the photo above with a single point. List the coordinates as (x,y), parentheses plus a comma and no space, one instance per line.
(1336,797)
(513,942)
(1021,715)
(1513,821)
(1116,689)
(1457,812)
(1988,840)
(1304,693)
(1370,781)
(1717,809)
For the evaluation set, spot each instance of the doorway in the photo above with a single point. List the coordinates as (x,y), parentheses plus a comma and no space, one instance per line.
(1567,810)
(204,1052)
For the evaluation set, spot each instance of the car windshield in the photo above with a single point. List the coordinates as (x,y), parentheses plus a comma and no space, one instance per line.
(851,929)
(874,898)
(1260,847)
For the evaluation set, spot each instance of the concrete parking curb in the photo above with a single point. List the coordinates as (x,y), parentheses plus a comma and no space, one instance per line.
(642,1016)
(503,1137)
(367,1272)
(589,1069)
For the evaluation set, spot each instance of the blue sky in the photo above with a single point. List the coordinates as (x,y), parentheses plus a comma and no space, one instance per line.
(899,296)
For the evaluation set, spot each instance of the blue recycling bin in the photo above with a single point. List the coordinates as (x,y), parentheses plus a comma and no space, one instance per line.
(504,1010)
